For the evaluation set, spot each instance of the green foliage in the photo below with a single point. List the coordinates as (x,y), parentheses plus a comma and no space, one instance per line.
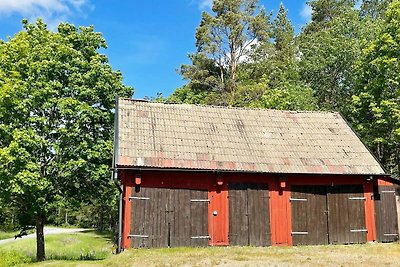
(266,72)
(376,107)
(70,247)
(57,95)
(12,258)
(186,95)
(328,56)
(376,9)
(324,11)
(223,39)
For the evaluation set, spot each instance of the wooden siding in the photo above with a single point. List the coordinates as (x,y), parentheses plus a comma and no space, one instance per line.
(162,217)
(249,223)
(328,214)
(282,213)
(386,214)
(346,214)
(309,215)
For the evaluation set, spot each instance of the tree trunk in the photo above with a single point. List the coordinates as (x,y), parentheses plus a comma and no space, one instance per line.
(40,252)
(232,68)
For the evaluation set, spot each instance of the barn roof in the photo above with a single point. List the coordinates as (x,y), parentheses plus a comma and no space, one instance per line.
(155,135)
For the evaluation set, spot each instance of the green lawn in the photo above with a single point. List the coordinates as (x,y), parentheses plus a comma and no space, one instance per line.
(75,246)
(92,249)
(5,235)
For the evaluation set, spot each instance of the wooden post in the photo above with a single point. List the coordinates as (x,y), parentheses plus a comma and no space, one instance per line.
(280,214)
(369,211)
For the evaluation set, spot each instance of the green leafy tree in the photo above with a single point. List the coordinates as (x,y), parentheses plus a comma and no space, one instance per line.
(223,39)
(328,57)
(324,11)
(376,107)
(376,9)
(57,95)
(271,78)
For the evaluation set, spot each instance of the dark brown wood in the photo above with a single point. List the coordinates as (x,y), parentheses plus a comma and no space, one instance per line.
(148,217)
(40,245)
(199,218)
(162,217)
(309,215)
(346,214)
(386,214)
(249,222)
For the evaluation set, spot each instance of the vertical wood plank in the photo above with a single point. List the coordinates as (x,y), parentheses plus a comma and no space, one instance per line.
(346,214)
(309,218)
(386,214)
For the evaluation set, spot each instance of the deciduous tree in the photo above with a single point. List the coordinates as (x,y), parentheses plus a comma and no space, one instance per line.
(57,95)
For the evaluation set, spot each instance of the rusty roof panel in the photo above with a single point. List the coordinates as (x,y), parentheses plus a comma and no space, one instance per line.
(159,135)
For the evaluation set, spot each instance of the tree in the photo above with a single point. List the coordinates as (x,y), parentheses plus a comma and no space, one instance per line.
(270,79)
(324,11)
(376,106)
(376,9)
(223,39)
(328,56)
(57,95)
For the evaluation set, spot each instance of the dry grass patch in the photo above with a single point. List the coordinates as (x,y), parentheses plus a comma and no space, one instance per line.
(350,255)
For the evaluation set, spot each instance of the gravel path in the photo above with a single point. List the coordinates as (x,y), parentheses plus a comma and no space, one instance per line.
(47,231)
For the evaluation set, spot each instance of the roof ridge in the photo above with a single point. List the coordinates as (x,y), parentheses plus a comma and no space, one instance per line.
(229,107)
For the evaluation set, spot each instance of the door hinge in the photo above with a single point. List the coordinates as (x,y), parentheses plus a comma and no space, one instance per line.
(199,200)
(356,198)
(201,237)
(299,233)
(298,199)
(141,236)
(139,198)
(358,230)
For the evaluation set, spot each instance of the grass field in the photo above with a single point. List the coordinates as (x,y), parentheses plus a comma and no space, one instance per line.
(351,255)
(75,246)
(5,235)
(92,249)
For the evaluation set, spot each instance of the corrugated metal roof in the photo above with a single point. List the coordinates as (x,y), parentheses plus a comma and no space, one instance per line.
(176,136)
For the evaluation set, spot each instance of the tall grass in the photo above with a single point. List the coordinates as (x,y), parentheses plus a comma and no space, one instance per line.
(5,235)
(75,246)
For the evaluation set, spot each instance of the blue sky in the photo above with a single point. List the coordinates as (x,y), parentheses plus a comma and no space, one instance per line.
(147,40)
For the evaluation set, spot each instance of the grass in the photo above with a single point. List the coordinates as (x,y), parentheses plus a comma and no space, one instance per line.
(92,249)
(5,235)
(339,255)
(68,247)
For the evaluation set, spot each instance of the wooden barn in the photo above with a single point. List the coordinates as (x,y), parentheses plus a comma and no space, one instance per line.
(203,175)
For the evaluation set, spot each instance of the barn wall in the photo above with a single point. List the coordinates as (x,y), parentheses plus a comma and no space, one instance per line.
(218,211)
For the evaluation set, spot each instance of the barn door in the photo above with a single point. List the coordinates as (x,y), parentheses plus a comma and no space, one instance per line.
(346,214)
(162,217)
(148,217)
(188,218)
(386,214)
(249,223)
(199,218)
(309,215)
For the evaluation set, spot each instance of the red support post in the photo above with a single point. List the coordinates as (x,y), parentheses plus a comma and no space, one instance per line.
(369,211)
(280,214)
(218,213)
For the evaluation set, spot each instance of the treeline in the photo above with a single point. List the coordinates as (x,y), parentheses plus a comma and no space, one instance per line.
(346,59)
